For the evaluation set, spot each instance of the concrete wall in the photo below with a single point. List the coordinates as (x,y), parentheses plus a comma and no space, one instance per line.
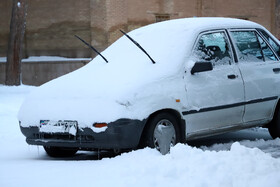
(38,73)
(52,24)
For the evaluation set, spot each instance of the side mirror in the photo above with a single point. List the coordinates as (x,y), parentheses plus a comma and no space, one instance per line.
(201,66)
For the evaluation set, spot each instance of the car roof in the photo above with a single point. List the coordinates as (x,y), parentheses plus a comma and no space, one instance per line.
(204,23)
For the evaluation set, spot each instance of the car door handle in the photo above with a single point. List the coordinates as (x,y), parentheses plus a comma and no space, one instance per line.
(276,70)
(232,76)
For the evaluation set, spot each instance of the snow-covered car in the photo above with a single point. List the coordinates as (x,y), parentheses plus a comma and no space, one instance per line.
(201,77)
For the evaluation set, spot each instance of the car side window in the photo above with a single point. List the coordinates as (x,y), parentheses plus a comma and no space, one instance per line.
(213,47)
(248,47)
(267,52)
(271,42)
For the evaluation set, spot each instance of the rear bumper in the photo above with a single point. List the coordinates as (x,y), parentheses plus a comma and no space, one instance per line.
(121,134)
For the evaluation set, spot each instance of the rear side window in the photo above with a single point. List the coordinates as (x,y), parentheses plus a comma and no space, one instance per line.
(213,47)
(271,42)
(267,52)
(248,47)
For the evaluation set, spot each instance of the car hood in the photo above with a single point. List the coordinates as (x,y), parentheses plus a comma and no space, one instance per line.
(105,92)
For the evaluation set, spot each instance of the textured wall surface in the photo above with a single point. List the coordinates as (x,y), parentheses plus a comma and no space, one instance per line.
(51,24)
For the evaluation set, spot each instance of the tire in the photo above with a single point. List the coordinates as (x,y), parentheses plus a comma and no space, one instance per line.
(60,151)
(274,126)
(162,132)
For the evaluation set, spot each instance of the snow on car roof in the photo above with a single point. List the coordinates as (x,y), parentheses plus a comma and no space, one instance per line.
(205,23)
(168,42)
(98,87)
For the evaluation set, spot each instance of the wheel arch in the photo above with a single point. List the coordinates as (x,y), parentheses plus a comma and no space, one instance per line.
(176,114)
(274,125)
(275,112)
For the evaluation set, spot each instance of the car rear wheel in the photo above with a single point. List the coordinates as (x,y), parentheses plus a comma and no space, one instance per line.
(274,126)
(60,151)
(162,132)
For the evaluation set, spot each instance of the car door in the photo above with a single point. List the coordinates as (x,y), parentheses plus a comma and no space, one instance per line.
(260,70)
(214,98)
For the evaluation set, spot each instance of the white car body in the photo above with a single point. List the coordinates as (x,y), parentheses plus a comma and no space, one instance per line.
(232,96)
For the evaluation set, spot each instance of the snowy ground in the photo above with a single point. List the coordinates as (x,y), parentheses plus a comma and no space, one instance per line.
(233,159)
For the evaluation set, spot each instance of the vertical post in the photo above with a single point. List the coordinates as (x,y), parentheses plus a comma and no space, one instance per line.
(17,29)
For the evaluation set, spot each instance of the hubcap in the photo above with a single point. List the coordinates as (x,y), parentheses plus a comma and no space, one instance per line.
(164,136)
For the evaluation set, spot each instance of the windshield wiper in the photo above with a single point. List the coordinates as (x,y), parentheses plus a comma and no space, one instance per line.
(90,46)
(138,45)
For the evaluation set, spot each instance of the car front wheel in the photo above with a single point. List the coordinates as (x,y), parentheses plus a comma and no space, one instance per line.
(162,132)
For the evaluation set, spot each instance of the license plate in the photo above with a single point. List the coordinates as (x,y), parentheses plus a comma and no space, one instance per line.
(64,127)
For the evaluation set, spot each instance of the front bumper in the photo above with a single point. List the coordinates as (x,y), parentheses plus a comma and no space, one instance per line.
(121,134)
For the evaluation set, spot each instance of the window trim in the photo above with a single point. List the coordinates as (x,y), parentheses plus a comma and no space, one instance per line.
(215,31)
(270,47)
(267,42)
(234,43)
(233,40)
(256,32)
(233,48)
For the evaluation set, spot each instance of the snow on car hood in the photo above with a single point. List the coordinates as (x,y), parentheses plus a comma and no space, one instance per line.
(102,92)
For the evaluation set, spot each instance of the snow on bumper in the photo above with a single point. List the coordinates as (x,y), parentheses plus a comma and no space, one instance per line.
(121,134)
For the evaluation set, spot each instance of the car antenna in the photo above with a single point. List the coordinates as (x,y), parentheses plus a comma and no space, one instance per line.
(138,45)
(90,46)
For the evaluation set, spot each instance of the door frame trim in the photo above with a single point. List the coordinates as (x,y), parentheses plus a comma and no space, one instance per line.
(208,109)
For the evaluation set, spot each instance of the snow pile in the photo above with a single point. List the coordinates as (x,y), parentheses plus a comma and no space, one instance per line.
(234,165)
(271,146)
(190,166)
(124,87)
(11,97)
(240,166)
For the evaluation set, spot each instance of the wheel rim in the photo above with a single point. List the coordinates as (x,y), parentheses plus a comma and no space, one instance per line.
(164,136)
